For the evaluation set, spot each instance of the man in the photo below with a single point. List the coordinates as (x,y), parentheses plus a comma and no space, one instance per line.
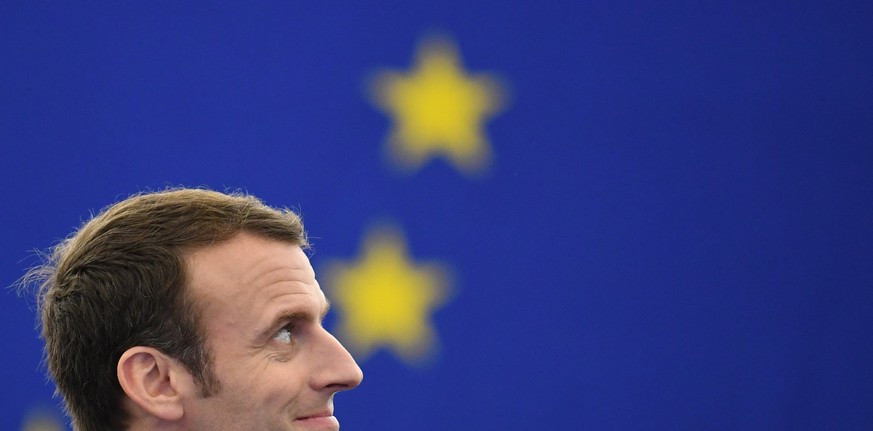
(191,310)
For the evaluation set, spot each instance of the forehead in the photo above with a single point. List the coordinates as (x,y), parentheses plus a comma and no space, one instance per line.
(238,281)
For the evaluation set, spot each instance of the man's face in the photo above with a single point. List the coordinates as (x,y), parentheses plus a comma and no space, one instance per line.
(277,366)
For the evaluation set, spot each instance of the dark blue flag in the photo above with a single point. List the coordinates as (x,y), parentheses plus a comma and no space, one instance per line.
(578,215)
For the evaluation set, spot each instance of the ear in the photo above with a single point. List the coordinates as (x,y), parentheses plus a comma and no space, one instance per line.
(153,382)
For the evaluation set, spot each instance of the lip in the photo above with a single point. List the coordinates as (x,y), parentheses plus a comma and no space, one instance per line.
(324,421)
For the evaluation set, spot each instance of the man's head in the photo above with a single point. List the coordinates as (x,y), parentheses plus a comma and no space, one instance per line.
(150,311)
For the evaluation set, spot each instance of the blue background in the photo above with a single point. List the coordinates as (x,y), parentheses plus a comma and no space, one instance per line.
(676,232)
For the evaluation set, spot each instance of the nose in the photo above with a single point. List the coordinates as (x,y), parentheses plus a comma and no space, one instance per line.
(336,369)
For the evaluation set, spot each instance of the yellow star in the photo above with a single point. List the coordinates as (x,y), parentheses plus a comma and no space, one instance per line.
(438,110)
(41,420)
(385,300)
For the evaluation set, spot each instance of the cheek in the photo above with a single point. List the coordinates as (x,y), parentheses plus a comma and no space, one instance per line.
(281,383)
(264,382)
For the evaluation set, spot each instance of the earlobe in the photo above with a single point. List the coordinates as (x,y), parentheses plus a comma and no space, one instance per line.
(150,380)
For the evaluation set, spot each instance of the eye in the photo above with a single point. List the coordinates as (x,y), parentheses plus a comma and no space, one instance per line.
(283,335)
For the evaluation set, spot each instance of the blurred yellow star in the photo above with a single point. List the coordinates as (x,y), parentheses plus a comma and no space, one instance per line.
(384,299)
(438,109)
(41,419)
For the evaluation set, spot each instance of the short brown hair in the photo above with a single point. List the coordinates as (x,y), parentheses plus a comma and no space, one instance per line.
(119,281)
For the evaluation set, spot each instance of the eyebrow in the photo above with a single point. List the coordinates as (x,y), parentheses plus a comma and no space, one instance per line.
(326,308)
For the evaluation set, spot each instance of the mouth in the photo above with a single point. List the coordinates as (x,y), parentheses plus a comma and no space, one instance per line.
(322,421)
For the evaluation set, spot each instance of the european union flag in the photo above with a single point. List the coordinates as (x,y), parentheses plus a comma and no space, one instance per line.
(579,215)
